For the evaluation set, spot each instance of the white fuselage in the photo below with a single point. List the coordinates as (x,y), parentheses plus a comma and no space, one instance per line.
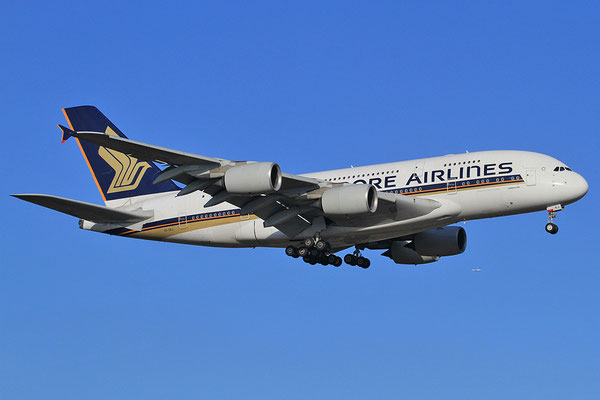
(469,186)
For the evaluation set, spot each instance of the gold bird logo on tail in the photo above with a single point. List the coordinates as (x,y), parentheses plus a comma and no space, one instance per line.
(128,170)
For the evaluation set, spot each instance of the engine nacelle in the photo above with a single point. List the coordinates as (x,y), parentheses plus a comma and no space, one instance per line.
(255,178)
(350,200)
(405,255)
(446,241)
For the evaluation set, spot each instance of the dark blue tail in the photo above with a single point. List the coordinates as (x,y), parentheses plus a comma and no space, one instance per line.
(117,175)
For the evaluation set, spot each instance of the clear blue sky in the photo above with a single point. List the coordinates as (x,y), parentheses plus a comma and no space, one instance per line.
(313,86)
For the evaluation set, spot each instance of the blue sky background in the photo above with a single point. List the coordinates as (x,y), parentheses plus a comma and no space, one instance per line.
(313,86)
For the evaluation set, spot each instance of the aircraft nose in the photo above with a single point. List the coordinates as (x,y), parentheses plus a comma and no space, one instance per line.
(580,186)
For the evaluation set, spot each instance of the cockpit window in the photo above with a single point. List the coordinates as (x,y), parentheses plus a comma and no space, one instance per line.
(556,169)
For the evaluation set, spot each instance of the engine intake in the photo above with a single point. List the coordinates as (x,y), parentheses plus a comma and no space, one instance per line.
(446,241)
(350,200)
(255,178)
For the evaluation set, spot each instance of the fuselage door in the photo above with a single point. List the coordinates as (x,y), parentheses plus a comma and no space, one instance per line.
(530,177)
(451,187)
(182,221)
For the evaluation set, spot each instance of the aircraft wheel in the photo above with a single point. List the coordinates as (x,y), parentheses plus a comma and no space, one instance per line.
(303,251)
(361,262)
(309,242)
(338,261)
(331,258)
(551,228)
(321,245)
(291,251)
(313,252)
(350,259)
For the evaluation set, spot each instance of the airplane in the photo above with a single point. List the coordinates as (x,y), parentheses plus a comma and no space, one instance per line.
(404,208)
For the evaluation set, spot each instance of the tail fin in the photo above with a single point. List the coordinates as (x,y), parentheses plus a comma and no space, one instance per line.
(117,175)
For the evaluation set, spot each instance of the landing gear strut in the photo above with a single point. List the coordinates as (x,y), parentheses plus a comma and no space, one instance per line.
(356,258)
(550,226)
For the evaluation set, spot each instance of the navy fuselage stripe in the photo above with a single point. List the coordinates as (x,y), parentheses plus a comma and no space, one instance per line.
(458,185)
(197,217)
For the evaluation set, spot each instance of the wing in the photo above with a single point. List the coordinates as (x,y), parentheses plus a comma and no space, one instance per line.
(292,203)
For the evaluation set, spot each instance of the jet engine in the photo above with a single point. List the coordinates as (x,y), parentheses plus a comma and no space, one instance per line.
(401,254)
(429,246)
(446,241)
(350,200)
(255,178)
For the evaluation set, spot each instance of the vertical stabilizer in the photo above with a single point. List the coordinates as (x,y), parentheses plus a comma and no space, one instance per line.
(117,175)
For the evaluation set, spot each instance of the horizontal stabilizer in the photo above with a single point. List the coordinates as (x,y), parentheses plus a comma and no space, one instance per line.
(80,209)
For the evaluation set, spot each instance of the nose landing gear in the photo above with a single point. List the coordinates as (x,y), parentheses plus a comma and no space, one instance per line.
(550,226)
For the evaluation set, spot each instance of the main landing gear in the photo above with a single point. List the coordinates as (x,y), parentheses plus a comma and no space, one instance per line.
(314,251)
(356,258)
(317,251)
(550,226)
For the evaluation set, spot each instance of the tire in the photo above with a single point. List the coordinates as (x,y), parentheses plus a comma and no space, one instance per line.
(321,245)
(348,259)
(551,228)
(338,262)
(309,242)
(361,261)
(313,252)
(290,251)
(303,252)
(331,259)
(367,263)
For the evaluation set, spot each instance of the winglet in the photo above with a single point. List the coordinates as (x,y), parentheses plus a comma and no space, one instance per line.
(66,133)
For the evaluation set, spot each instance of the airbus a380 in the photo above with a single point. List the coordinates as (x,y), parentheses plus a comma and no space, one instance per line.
(404,208)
